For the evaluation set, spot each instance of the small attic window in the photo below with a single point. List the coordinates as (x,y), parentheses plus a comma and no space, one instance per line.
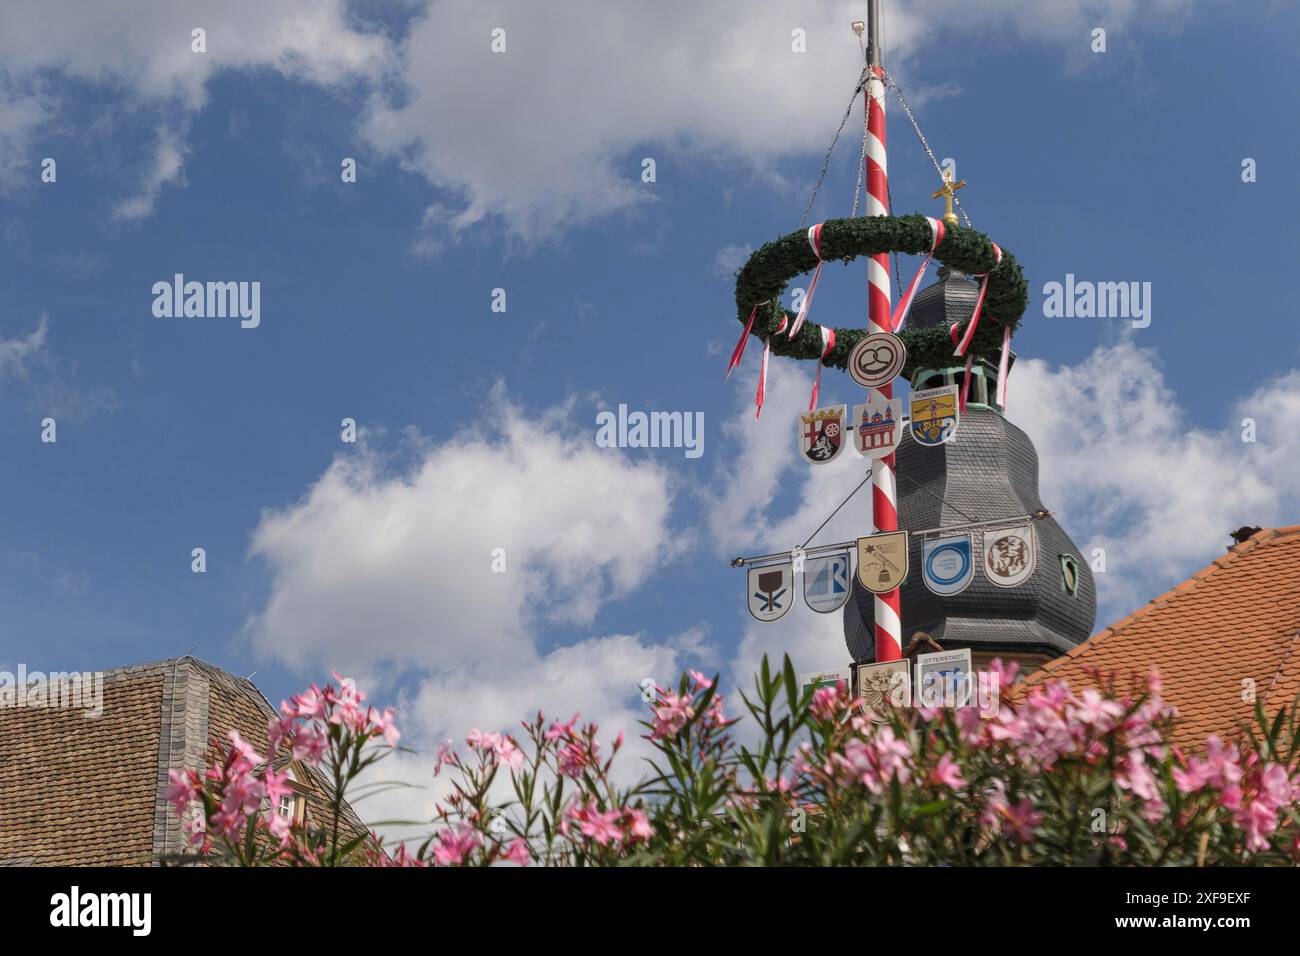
(293,805)
(1069,574)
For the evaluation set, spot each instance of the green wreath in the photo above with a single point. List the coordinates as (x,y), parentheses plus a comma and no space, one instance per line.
(764,278)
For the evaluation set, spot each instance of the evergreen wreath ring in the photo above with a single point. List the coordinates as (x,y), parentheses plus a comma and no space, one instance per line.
(764,279)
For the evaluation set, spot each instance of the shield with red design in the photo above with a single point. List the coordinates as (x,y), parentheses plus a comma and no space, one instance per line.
(877,426)
(821,433)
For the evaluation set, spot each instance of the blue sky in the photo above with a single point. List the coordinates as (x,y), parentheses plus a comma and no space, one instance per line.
(175,433)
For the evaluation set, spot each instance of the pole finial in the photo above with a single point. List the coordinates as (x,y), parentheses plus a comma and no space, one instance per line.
(949,187)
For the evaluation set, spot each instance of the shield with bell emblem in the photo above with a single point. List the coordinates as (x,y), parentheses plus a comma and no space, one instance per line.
(882,561)
(821,433)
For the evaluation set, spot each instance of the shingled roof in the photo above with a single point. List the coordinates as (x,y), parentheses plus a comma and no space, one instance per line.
(1227,629)
(77,790)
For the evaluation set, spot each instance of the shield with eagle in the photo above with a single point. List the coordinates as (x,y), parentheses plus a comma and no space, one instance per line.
(821,433)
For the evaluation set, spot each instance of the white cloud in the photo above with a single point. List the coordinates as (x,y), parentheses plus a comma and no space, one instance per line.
(729,260)
(1127,471)
(141,51)
(18,353)
(544,136)
(377,565)
(51,382)
(168,168)
(551,133)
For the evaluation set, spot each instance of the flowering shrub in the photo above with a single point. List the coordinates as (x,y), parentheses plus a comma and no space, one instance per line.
(1060,777)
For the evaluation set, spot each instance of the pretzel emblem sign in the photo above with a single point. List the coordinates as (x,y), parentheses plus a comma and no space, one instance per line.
(877,359)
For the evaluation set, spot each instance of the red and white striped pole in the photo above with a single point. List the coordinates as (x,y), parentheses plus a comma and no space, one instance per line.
(884,494)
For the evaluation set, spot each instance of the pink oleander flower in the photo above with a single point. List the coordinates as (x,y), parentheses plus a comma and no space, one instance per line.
(1005,673)
(184,788)
(1094,710)
(310,745)
(383,725)
(947,773)
(401,857)
(276,786)
(603,827)
(309,705)
(518,852)
(701,682)
(245,757)
(509,755)
(574,757)
(1020,820)
(828,702)
(455,844)
(562,731)
(445,756)
(1133,774)
(281,828)
(874,762)
(638,826)
(497,748)
(671,715)
(348,709)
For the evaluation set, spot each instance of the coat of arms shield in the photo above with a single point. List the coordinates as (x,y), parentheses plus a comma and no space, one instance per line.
(877,426)
(771,591)
(821,433)
(948,564)
(826,582)
(884,686)
(882,561)
(935,415)
(1010,555)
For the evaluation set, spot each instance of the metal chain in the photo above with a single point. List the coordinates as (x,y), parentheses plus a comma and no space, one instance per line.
(862,166)
(898,276)
(826,164)
(889,81)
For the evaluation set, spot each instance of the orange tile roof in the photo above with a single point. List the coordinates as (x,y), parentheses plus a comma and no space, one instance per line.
(1230,627)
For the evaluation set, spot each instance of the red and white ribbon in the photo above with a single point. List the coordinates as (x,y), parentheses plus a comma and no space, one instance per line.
(738,352)
(905,303)
(762,371)
(814,240)
(828,345)
(1004,367)
(979,304)
(965,383)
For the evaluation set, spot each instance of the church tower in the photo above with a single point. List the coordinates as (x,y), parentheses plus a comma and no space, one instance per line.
(988,471)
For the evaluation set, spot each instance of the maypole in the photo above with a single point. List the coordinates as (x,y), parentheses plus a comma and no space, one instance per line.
(884,494)
(873,356)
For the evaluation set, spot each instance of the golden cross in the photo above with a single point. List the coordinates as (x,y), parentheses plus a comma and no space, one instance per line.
(949,187)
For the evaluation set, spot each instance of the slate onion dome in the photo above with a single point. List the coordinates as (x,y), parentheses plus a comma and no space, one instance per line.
(987,472)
